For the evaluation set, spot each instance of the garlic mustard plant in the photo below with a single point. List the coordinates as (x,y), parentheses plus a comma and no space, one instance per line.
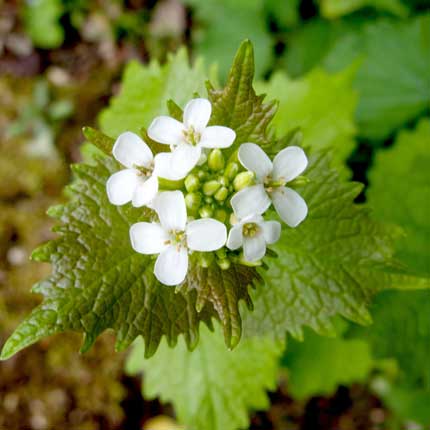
(191,208)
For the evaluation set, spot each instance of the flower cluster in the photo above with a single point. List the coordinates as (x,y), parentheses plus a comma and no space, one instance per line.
(218,206)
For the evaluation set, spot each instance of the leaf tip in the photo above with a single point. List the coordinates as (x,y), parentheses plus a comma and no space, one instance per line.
(88,342)
(121,344)
(42,253)
(86,131)
(234,341)
(55,211)
(99,139)
(8,350)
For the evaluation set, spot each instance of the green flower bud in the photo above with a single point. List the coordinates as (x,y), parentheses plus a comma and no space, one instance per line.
(206,211)
(223,181)
(211,187)
(206,259)
(216,160)
(201,174)
(221,253)
(231,170)
(221,194)
(220,215)
(209,200)
(234,157)
(224,263)
(193,201)
(243,180)
(299,181)
(192,182)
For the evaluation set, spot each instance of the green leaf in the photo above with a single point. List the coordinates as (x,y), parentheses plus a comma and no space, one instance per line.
(332,264)
(146,89)
(335,8)
(340,361)
(99,281)
(408,404)
(285,12)
(223,289)
(322,105)
(401,330)
(394,88)
(237,106)
(393,80)
(309,45)
(211,388)
(42,23)
(399,191)
(221,25)
(402,170)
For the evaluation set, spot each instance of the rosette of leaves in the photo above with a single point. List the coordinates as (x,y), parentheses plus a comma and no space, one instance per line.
(332,264)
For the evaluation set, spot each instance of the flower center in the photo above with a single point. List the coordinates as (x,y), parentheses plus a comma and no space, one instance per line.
(177,238)
(250,229)
(192,136)
(145,171)
(270,184)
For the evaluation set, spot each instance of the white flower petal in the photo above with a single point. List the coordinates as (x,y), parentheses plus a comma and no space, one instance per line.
(290,206)
(256,219)
(206,234)
(253,158)
(166,130)
(170,207)
(203,158)
(145,191)
(197,113)
(235,237)
(217,136)
(184,159)
(148,238)
(250,201)
(289,163)
(163,167)
(130,150)
(172,265)
(271,231)
(254,248)
(121,185)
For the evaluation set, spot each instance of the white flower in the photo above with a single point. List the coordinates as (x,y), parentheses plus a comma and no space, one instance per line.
(137,183)
(253,234)
(188,138)
(271,179)
(173,237)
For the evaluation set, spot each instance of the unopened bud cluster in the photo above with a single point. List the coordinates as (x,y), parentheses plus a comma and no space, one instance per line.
(209,187)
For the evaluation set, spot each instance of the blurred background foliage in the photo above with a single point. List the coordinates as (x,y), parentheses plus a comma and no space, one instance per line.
(353,74)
